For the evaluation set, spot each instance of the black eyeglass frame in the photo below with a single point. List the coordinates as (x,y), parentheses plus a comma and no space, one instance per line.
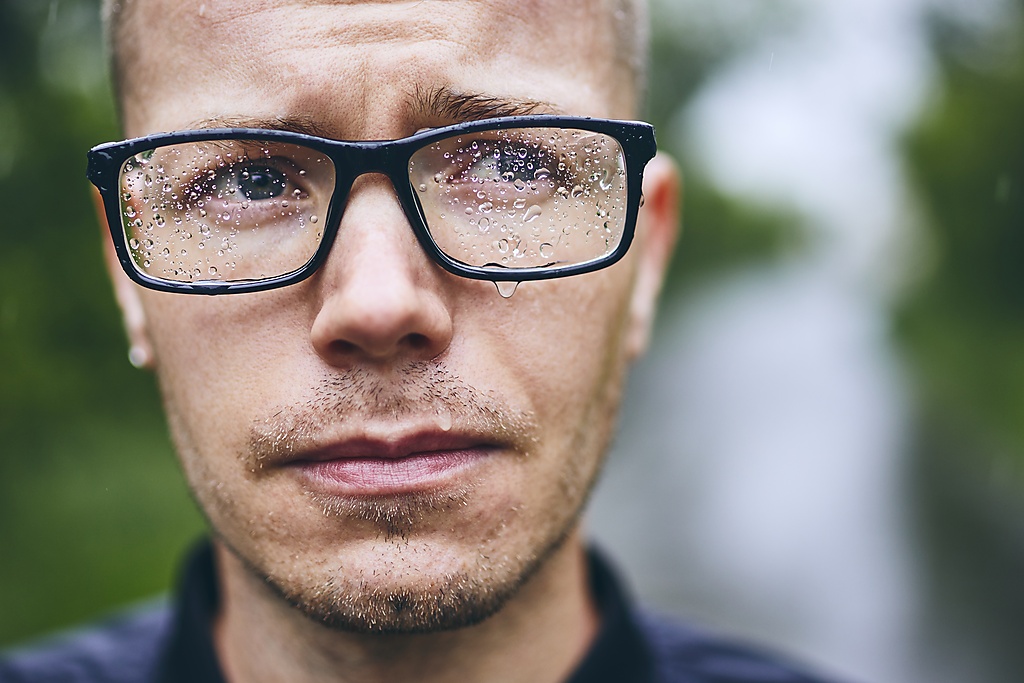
(352,159)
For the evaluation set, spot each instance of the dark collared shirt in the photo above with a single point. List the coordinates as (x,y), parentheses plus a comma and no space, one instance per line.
(173,644)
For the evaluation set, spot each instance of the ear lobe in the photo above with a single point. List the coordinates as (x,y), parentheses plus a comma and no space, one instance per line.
(657,230)
(140,350)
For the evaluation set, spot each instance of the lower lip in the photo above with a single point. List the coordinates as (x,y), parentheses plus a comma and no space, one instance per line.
(377,476)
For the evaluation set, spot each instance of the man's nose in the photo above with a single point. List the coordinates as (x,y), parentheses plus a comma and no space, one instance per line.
(381,297)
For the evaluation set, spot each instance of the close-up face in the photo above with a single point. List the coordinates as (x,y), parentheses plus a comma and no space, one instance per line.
(391,445)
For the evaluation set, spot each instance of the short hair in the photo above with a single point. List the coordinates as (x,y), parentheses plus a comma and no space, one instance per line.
(629,28)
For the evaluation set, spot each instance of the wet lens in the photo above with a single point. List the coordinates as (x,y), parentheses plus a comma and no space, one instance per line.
(225,210)
(523,198)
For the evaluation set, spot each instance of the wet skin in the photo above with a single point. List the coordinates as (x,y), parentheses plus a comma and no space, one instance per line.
(393,448)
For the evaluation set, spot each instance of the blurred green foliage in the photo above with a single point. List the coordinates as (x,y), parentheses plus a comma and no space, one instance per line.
(720,232)
(961,326)
(93,511)
(963,322)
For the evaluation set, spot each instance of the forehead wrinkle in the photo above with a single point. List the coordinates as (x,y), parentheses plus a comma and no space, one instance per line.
(300,58)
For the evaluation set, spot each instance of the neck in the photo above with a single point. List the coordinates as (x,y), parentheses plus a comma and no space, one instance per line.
(539,636)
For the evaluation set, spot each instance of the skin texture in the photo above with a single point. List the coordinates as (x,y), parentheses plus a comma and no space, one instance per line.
(475,573)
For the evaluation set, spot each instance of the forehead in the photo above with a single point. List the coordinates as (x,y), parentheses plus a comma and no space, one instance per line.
(353,65)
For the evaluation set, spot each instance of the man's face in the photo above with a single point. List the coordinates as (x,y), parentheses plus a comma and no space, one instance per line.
(391,446)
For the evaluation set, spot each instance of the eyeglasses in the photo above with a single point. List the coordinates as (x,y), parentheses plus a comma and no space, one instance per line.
(240,210)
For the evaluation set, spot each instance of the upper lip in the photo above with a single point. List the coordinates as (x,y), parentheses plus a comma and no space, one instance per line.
(384,446)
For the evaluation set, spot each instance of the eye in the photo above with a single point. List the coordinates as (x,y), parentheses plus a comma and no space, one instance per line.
(253,182)
(510,162)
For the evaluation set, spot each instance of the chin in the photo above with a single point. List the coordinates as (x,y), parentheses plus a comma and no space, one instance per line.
(406,587)
(454,601)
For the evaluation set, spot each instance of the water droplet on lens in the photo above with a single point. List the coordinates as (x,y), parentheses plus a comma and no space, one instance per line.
(519,203)
(130,212)
(133,243)
(313,218)
(486,207)
(547,249)
(202,213)
(577,191)
(506,289)
(213,271)
(423,187)
(469,211)
(541,174)
(507,176)
(501,246)
(531,213)
(519,184)
(148,244)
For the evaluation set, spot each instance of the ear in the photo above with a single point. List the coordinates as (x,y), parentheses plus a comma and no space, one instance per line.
(140,350)
(657,229)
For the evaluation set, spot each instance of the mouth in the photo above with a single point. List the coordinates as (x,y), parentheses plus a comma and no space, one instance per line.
(374,467)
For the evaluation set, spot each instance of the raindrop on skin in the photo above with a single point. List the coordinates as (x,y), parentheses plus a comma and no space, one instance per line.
(444,419)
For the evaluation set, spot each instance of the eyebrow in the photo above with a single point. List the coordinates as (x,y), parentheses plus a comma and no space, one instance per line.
(450,105)
(295,124)
(441,103)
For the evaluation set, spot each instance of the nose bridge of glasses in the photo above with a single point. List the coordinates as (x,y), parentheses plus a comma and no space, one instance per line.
(355,159)
(357,163)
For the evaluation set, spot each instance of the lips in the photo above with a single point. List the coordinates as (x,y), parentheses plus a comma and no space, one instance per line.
(368,467)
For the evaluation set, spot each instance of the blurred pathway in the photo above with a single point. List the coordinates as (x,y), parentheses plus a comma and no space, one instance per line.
(756,485)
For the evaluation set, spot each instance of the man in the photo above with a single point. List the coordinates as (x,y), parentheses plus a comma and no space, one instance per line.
(391,439)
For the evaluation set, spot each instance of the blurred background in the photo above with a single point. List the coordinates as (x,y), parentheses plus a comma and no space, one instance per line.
(824,450)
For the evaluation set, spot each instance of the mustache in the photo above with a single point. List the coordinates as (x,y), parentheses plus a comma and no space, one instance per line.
(418,393)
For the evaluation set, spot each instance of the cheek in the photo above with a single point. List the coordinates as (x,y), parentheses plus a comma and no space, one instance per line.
(564,344)
(217,359)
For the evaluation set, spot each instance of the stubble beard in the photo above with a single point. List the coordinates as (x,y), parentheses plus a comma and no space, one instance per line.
(405,602)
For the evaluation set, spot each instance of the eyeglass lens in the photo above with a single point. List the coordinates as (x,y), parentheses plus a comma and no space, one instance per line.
(523,197)
(246,210)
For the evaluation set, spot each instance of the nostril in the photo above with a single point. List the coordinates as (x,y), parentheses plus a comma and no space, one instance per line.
(342,347)
(418,342)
